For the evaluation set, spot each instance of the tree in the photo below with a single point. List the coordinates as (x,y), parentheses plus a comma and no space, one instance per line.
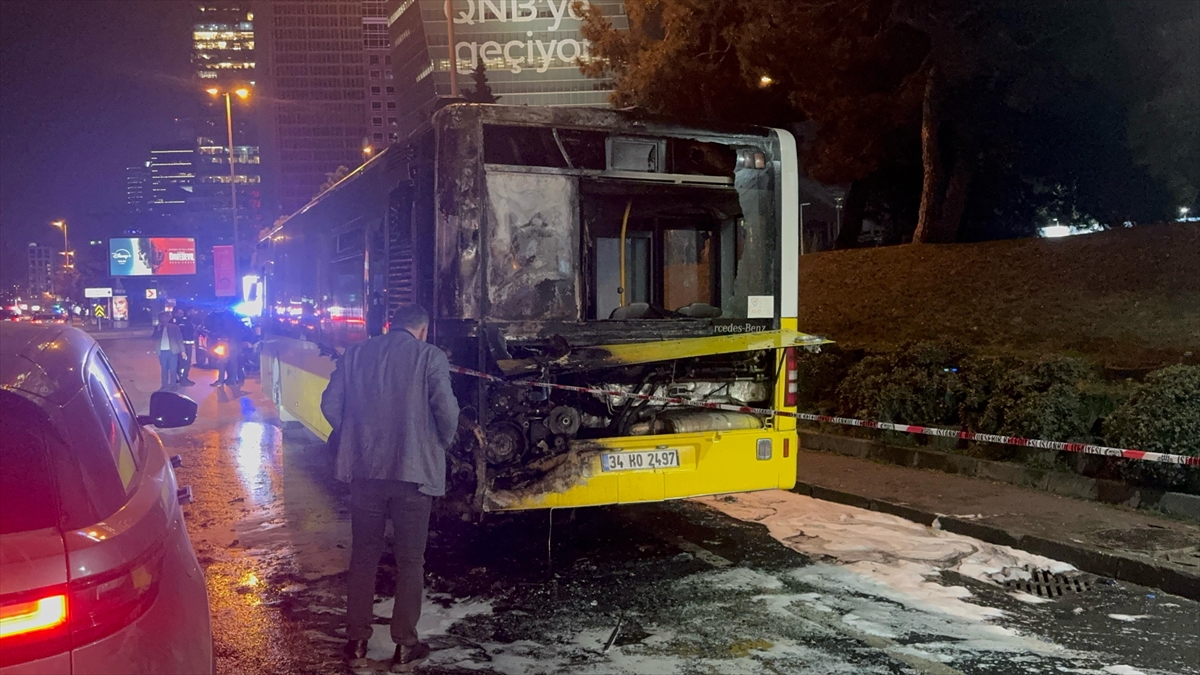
(1164,122)
(968,81)
(482,93)
(332,178)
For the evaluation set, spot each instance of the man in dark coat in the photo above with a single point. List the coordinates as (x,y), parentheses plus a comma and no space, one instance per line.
(393,413)
(188,331)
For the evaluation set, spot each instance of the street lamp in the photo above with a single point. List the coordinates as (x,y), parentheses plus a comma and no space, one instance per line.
(242,93)
(62,225)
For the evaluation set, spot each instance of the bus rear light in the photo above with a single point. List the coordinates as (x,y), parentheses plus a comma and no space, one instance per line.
(791,394)
(763,449)
(787,446)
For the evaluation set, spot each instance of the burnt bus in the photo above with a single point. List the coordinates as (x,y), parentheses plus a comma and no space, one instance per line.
(583,265)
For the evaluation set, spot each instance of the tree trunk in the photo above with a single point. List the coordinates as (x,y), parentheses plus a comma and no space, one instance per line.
(853,208)
(954,202)
(931,161)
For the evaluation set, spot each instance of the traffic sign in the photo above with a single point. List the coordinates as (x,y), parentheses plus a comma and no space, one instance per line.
(97,292)
(151,293)
(100,313)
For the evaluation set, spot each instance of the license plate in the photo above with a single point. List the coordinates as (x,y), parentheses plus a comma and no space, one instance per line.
(647,459)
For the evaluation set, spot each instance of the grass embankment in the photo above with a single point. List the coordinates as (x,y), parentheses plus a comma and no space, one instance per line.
(1124,298)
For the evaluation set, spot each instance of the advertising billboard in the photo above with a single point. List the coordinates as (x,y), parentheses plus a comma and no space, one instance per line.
(223,272)
(151,256)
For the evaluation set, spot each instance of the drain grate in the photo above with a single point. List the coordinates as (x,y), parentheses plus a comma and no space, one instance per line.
(1046,585)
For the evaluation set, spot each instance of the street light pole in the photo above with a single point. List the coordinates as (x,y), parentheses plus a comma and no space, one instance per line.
(62,225)
(232,180)
(452,49)
(802,205)
(242,92)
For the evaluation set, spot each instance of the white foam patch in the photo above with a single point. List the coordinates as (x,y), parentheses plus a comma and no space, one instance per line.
(869,627)
(1129,618)
(741,579)
(1122,670)
(1028,598)
(904,556)
(436,620)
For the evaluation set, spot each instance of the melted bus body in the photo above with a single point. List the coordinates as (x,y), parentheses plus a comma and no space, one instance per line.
(585,247)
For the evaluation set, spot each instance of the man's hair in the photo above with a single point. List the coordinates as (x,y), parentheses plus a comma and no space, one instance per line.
(410,316)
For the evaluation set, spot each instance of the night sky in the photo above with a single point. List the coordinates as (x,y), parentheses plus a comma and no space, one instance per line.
(85,88)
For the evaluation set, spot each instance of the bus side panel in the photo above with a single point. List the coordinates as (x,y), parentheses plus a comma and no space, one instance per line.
(299,374)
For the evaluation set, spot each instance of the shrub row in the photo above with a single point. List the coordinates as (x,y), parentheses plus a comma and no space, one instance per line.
(1055,398)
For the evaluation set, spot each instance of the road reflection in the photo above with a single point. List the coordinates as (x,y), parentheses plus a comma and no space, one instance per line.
(256,452)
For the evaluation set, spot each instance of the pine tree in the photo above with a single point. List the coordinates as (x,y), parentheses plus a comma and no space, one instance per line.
(482,93)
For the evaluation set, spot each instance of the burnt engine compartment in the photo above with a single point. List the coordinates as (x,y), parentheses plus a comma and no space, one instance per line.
(522,428)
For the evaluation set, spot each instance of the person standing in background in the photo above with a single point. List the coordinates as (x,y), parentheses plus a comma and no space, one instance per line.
(170,344)
(187,330)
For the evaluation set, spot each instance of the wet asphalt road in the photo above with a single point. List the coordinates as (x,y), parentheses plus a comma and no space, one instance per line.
(663,588)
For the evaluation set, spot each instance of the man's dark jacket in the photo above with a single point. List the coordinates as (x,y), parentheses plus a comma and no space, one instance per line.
(393,412)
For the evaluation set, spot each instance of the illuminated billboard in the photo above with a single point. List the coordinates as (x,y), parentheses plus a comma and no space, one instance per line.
(151,256)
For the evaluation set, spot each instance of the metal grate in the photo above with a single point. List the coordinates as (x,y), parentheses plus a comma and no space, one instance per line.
(1046,585)
(401,256)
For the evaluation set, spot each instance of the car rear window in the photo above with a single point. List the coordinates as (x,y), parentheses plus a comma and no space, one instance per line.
(27,490)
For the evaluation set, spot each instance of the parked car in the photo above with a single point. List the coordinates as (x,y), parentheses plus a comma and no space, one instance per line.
(97,574)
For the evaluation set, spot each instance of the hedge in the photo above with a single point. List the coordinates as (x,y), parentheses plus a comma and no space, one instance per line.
(1055,398)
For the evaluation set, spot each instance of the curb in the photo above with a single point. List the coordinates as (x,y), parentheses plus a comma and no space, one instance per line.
(1167,578)
(1055,482)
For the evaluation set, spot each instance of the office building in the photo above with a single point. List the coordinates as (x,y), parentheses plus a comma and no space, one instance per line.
(529,47)
(314,82)
(381,104)
(41,269)
(223,57)
(172,176)
(137,188)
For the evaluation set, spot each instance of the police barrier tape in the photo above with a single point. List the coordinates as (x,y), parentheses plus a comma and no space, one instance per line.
(1083,448)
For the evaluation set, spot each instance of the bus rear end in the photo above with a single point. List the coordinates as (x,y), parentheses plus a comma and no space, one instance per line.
(617,293)
(630,287)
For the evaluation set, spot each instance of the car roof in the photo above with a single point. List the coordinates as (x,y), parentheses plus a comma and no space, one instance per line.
(43,360)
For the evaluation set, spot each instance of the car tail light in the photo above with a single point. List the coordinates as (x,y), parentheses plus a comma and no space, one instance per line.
(33,625)
(51,620)
(219,351)
(792,378)
(105,603)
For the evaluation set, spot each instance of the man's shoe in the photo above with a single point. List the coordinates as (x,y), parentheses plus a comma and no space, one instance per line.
(186,383)
(355,652)
(407,657)
(217,383)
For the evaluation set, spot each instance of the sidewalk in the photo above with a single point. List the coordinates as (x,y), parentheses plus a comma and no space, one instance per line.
(114,333)
(1107,540)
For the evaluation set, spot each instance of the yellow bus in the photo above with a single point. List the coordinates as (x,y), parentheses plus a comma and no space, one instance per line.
(581,267)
